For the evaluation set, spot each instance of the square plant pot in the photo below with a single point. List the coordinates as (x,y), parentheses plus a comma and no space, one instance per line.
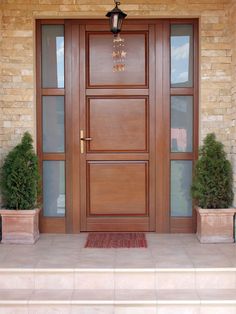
(20,226)
(215,225)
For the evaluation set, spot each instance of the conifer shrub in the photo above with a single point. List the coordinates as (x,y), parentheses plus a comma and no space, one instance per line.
(19,178)
(213,176)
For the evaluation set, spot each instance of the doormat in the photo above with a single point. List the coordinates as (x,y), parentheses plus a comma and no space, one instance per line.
(116,240)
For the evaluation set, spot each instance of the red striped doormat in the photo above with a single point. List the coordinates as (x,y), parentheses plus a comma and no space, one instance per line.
(116,240)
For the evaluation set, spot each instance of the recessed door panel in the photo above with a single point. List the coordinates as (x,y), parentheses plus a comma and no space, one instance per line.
(117,188)
(100,64)
(117,124)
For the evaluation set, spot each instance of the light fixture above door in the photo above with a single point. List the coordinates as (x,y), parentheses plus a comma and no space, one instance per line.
(116,17)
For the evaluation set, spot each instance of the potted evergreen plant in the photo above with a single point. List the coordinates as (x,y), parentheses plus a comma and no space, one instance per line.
(213,193)
(19,181)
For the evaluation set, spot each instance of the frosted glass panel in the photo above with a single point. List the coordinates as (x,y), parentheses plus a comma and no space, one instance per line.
(181,123)
(54,188)
(53,56)
(53,124)
(181,55)
(181,180)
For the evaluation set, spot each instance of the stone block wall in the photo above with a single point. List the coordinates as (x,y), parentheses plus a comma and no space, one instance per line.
(217,85)
(233,111)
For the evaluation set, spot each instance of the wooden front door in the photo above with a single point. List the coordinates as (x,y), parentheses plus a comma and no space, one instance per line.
(117,149)
(116,133)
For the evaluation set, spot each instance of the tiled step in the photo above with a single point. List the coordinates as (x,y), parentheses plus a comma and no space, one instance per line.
(118,291)
(112,278)
(118,301)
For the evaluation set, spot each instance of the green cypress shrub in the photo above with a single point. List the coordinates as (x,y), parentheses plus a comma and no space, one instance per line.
(20,177)
(213,176)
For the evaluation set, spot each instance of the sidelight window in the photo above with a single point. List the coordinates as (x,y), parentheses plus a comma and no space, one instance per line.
(181,123)
(51,117)
(183,119)
(181,55)
(53,56)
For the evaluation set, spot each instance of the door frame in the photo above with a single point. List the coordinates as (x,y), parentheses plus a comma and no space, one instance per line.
(71,222)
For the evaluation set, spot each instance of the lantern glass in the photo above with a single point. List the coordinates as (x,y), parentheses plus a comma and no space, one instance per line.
(115,23)
(120,21)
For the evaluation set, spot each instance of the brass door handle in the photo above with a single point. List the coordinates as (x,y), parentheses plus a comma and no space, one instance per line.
(82,140)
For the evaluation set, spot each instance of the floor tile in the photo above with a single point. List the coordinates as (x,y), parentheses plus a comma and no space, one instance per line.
(217,294)
(14,280)
(215,280)
(92,309)
(55,280)
(15,294)
(49,309)
(51,295)
(139,280)
(95,295)
(164,251)
(94,280)
(135,295)
(14,309)
(178,309)
(135,309)
(218,309)
(177,295)
(175,280)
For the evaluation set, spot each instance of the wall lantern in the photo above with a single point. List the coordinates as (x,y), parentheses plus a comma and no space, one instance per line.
(116,17)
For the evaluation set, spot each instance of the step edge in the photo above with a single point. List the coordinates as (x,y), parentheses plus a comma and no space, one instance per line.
(118,302)
(115,270)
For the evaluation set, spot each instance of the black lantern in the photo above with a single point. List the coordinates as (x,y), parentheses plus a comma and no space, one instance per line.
(116,17)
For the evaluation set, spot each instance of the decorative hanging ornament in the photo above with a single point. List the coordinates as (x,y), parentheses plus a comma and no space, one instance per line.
(116,17)
(118,54)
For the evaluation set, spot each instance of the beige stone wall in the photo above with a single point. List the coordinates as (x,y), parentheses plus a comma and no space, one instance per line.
(17,112)
(233,109)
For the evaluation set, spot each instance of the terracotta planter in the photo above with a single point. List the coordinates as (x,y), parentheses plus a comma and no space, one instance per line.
(215,225)
(20,226)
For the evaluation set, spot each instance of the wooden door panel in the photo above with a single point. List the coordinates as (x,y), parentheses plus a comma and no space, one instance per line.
(117,111)
(100,62)
(117,124)
(117,224)
(117,188)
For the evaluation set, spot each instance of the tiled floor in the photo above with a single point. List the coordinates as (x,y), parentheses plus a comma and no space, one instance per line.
(174,275)
(164,251)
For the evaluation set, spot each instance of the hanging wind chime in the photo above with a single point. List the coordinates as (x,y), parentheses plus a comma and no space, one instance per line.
(116,17)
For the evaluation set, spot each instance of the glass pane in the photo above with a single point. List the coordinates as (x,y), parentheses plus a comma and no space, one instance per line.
(53,56)
(54,188)
(181,123)
(181,180)
(181,55)
(53,124)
